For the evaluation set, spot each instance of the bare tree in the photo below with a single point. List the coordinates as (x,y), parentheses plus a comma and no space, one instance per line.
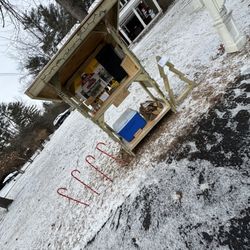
(10,10)
(77,8)
(15,15)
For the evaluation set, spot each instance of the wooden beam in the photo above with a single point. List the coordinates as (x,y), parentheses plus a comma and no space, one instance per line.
(160,93)
(147,90)
(142,77)
(180,74)
(166,84)
(66,98)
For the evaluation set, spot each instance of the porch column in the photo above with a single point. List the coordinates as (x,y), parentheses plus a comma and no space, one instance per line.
(225,25)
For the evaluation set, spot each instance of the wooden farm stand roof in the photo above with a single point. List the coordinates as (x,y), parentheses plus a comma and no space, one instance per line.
(77,49)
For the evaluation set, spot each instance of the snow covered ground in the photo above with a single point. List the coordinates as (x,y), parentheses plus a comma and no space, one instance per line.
(198,196)
(130,212)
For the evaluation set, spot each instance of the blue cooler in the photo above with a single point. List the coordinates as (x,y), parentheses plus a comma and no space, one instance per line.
(128,124)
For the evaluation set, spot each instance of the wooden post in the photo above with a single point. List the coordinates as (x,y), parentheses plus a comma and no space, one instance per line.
(191,84)
(5,203)
(147,90)
(166,84)
(180,74)
(158,90)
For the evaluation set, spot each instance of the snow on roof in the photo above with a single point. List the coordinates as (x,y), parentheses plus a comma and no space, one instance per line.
(67,36)
(74,28)
(93,5)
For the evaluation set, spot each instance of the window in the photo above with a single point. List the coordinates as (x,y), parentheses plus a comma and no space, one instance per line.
(132,26)
(123,3)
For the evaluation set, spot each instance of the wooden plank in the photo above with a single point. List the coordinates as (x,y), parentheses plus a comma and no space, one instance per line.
(183,94)
(129,66)
(144,78)
(166,84)
(138,133)
(50,93)
(150,124)
(147,90)
(119,99)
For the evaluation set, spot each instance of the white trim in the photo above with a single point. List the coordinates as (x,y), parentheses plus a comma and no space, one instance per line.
(130,9)
(157,5)
(139,17)
(127,9)
(125,35)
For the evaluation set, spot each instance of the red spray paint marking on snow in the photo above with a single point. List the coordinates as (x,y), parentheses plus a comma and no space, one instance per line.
(99,171)
(68,197)
(84,184)
(109,155)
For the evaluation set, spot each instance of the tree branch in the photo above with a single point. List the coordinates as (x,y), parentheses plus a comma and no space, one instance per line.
(2,16)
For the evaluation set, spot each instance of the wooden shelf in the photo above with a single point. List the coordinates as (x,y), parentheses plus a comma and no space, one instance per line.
(123,86)
(150,124)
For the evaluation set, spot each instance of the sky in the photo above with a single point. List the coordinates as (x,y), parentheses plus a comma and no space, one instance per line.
(10,87)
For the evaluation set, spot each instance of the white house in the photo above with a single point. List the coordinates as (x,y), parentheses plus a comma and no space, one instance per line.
(136,16)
